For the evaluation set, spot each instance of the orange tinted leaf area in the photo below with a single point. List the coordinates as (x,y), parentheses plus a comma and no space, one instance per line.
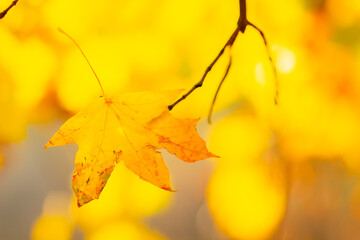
(129,128)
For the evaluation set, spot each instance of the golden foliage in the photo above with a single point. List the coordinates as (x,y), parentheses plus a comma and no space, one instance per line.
(129,128)
(156,45)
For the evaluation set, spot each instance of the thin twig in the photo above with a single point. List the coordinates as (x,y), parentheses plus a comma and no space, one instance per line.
(241,27)
(276,82)
(3,13)
(218,89)
(229,43)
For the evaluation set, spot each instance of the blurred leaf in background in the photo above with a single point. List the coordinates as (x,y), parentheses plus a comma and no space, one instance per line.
(289,171)
(309,142)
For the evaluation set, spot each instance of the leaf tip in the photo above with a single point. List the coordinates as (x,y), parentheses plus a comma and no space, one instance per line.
(46,146)
(84,199)
(168,189)
(213,155)
(81,203)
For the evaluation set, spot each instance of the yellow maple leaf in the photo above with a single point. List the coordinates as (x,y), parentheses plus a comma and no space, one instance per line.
(130,128)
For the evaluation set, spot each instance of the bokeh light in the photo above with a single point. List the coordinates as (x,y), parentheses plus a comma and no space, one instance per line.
(286,171)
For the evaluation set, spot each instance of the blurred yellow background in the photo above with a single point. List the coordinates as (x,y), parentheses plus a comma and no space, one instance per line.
(290,171)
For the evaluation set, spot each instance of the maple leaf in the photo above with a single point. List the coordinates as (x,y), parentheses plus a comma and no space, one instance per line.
(129,128)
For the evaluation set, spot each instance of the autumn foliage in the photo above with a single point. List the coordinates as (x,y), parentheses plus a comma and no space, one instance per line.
(128,128)
(287,171)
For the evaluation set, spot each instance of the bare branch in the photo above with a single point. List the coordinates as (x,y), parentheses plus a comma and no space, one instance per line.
(3,13)
(242,22)
(229,43)
(241,27)
(218,89)
(276,82)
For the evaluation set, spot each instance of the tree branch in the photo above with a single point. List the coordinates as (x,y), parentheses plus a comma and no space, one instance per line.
(276,82)
(229,43)
(3,13)
(242,22)
(241,27)
(218,90)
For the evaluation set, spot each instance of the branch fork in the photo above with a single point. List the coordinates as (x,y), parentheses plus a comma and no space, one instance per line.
(241,27)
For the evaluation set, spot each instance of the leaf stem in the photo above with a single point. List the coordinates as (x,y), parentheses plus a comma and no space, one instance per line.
(92,69)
